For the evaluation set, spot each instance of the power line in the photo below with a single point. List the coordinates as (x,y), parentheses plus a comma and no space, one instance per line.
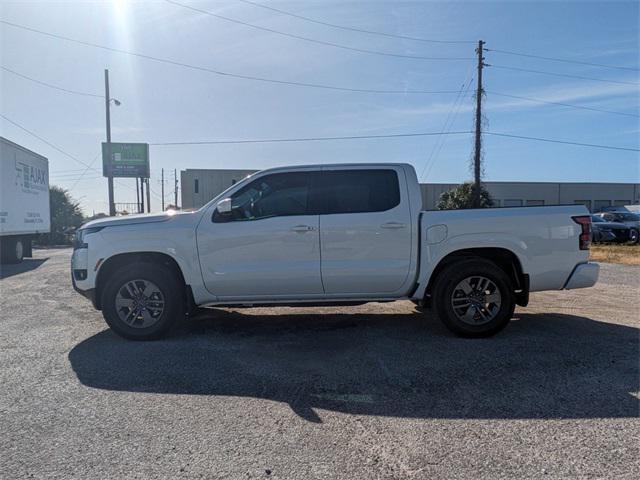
(313,40)
(566,142)
(396,135)
(581,107)
(437,148)
(306,139)
(354,29)
(564,75)
(55,87)
(58,149)
(565,60)
(219,72)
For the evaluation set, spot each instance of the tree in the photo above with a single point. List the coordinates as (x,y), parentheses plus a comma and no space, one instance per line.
(461,197)
(66,216)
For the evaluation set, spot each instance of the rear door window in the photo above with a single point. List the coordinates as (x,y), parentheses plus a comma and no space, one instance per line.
(359,191)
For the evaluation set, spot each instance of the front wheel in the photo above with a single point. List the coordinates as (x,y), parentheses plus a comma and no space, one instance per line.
(474,298)
(634,236)
(142,301)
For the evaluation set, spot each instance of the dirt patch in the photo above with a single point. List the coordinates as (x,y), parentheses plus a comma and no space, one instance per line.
(623,254)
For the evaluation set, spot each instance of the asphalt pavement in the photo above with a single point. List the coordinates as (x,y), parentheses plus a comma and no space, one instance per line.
(377,391)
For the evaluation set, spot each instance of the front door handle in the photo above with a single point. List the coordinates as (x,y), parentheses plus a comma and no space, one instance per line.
(302,228)
(393,225)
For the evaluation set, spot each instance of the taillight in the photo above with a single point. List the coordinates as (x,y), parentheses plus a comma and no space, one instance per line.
(585,236)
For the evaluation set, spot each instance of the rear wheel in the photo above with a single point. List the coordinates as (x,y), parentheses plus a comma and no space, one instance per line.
(12,250)
(634,236)
(474,298)
(142,301)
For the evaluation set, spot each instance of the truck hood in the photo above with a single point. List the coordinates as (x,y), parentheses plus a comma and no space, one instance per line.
(132,219)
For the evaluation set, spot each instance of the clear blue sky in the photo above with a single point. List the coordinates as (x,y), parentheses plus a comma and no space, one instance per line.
(164,103)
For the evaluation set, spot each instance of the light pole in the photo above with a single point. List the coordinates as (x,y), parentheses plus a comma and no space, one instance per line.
(107,103)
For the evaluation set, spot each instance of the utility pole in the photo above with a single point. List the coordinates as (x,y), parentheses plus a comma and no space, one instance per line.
(138,195)
(478,143)
(148,195)
(175,188)
(162,192)
(107,104)
(141,195)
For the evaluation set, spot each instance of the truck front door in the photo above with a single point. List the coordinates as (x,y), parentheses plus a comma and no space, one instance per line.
(268,245)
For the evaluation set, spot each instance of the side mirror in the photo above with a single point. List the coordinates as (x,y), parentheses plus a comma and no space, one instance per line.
(224,206)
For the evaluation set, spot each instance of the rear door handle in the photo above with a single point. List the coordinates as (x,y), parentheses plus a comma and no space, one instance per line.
(393,225)
(302,228)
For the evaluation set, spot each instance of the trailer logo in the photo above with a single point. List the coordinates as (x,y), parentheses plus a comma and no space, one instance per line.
(31,179)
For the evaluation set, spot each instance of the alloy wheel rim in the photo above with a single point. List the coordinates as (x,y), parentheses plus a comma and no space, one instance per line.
(476,300)
(139,303)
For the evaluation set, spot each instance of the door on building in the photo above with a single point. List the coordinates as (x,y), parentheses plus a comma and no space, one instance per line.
(268,245)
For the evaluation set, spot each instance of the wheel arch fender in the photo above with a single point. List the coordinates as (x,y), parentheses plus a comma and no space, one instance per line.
(112,263)
(508,254)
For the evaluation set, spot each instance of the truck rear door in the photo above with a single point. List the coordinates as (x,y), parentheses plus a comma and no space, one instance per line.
(365,230)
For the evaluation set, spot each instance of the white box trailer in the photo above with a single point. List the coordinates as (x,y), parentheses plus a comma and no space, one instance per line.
(24,200)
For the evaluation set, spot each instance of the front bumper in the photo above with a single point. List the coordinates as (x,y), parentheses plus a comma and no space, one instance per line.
(89,294)
(583,276)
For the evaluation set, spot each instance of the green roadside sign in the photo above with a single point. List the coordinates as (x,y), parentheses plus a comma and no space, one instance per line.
(126,160)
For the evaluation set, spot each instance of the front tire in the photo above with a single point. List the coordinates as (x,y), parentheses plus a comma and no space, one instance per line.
(143,301)
(474,298)
(634,236)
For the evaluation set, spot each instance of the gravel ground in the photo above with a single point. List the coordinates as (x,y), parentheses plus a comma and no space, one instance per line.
(378,391)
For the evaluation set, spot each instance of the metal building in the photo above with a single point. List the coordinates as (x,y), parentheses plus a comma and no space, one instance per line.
(595,196)
(200,186)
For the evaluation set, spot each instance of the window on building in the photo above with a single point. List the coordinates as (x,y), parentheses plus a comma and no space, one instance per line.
(535,203)
(357,191)
(598,205)
(196,186)
(512,202)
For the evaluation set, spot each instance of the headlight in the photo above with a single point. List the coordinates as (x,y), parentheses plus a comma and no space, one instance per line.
(78,240)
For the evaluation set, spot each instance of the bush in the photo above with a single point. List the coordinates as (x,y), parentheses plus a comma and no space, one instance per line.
(461,197)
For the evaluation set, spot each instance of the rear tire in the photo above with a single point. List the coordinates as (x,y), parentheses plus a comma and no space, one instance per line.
(474,298)
(12,250)
(634,236)
(143,301)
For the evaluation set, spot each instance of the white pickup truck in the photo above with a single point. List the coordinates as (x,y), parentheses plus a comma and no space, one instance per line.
(327,235)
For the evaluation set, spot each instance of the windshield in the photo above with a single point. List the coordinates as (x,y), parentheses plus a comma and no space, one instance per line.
(596,219)
(629,217)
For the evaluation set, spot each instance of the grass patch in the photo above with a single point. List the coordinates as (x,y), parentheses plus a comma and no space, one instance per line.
(623,254)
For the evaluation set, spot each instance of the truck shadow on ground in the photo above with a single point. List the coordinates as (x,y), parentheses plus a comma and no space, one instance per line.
(28,264)
(402,365)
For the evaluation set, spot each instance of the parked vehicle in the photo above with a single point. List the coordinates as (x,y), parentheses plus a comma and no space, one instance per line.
(327,235)
(24,200)
(611,232)
(632,220)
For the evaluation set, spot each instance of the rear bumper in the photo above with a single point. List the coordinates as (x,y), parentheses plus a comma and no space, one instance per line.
(583,276)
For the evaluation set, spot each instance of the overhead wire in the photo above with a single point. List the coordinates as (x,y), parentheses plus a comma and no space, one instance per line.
(556,74)
(49,85)
(220,72)
(581,107)
(355,29)
(437,148)
(555,59)
(566,142)
(312,40)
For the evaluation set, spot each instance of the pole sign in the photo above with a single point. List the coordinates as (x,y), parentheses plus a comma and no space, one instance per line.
(127,160)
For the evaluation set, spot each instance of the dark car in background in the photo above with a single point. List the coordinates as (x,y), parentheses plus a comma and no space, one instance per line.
(631,220)
(611,232)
